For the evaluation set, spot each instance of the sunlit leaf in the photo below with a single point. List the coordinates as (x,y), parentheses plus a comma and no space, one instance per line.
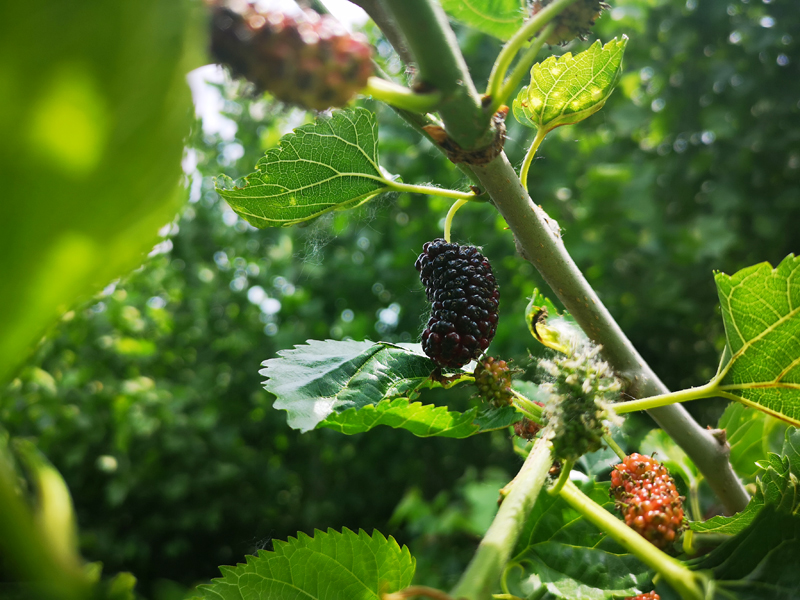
(328,566)
(761,311)
(552,329)
(570,557)
(567,89)
(330,164)
(500,18)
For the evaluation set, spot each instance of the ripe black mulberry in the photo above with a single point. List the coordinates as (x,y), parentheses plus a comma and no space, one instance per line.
(308,59)
(463,291)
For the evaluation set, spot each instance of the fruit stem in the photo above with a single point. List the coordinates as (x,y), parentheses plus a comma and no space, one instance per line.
(708,390)
(614,446)
(563,478)
(428,190)
(400,96)
(678,576)
(494,87)
(489,562)
(527,406)
(522,67)
(448,221)
(526,164)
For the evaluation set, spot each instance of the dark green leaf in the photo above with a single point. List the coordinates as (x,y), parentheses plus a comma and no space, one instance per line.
(761,311)
(762,561)
(776,487)
(500,18)
(330,164)
(490,418)
(567,89)
(329,566)
(571,557)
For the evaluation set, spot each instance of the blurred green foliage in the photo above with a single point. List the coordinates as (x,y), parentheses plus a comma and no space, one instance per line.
(148,399)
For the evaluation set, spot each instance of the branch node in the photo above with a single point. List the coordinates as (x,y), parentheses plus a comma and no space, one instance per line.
(481,156)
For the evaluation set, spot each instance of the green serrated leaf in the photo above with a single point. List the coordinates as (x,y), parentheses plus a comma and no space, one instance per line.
(499,18)
(565,90)
(752,435)
(761,561)
(573,559)
(423,420)
(330,164)
(491,418)
(777,486)
(761,312)
(328,566)
(316,379)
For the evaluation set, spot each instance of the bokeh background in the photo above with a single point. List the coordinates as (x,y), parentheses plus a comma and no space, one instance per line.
(147,397)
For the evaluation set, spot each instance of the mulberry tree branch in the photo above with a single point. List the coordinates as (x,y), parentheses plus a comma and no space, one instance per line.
(435,49)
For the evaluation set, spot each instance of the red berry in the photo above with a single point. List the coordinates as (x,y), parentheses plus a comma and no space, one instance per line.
(647,596)
(648,499)
(310,60)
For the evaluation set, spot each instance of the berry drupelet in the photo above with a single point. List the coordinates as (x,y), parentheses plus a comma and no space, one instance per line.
(648,500)
(463,291)
(647,596)
(493,380)
(307,59)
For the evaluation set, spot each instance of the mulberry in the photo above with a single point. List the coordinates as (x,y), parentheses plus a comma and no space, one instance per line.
(648,500)
(493,380)
(526,428)
(647,596)
(575,22)
(310,60)
(460,284)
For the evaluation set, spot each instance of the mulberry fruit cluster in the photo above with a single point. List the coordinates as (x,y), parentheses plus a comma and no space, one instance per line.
(581,388)
(493,380)
(575,21)
(308,59)
(648,500)
(463,291)
(526,428)
(647,596)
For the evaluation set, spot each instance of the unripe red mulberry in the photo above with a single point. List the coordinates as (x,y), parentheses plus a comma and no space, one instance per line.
(526,428)
(647,596)
(459,282)
(308,59)
(575,21)
(493,380)
(648,499)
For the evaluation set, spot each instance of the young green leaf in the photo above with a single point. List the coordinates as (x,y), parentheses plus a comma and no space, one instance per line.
(500,18)
(328,566)
(565,90)
(570,557)
(330,164)
(761,363)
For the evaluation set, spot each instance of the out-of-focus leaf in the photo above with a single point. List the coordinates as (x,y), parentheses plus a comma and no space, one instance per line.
(752,435)
(671,455)
(92,136)
(329,566)
(330,164)
(500,18)
(570,557)
(567,89)
(761,311)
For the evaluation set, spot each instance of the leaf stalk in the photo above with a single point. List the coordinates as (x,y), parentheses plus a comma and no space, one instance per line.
(708,390)
(494,87)
(400,96)
(522,68)
(526,164)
